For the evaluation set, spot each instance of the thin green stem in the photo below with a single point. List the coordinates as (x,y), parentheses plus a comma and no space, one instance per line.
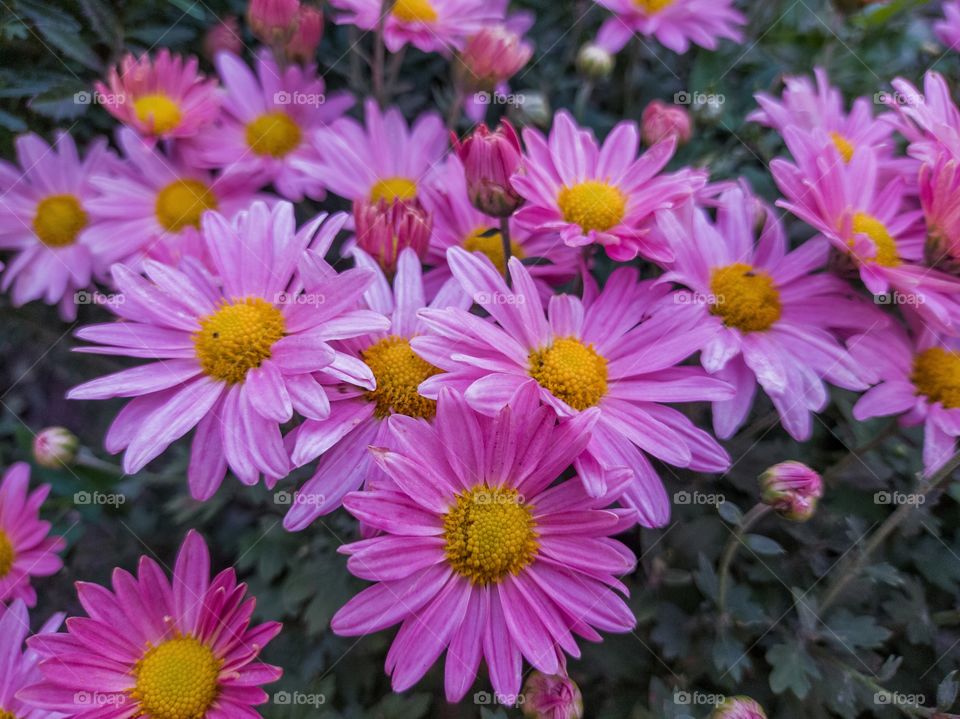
(507,249)
(759,511)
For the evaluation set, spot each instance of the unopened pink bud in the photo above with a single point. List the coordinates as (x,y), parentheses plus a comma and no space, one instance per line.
(792,489)
(661,121)
(223,37)
(738,708)
(492,56)
(273,21)
(551,697)
(55,447)
(385,228)
(490,160)
(307,34)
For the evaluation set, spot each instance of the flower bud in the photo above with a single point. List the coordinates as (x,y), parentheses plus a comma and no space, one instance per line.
(492,56)
(792,489)
(661,121)
(307,34)
(385,228)
(273,21)
(551,697)
(55,447)
(224,36)
(595,62)
(738,708)
(490,159)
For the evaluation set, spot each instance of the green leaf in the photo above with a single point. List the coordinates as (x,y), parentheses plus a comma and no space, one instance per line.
(855,632)
(764,545)
(793,669)
(61,31)
(947,691)
(730,513)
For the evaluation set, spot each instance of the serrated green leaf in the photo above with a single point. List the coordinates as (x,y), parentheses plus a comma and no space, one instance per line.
(793,669)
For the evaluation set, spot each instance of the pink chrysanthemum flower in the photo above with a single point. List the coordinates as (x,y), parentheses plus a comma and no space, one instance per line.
(26,550)
(591,194)
(18,665)
(233,358)
(457,223)
(384,160)
(947,30)
(429,25)
(163,96)
(267,120)
(156,647)
(616,351)
(920,381)
(774,316)
(45,219)
(674,23)
(940,199)
(380,380)
(868,222)
(479,554)
(929,120)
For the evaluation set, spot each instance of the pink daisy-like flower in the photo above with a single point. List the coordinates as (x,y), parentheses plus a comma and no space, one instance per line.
(266,123)
(920,381)
(361,402)
(429,25)
(674,23)
(45,219)
(592,194)
(478,554)
(617,351)
(384,160)
(940,199)
(774,316)
(180,649)
(457,223)
(163,96)
(18,665)
(929,120)
(233,358)
(26,550)
(947,30)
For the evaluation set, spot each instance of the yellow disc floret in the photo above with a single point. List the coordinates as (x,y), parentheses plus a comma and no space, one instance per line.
(489,534)
(593,205)
(393,188)
(843,145)
(177,679)
(492,246)
(238,337)
(158,111)
(4,714)
(181,204)
(399,371)
(274,134)
(746,298)
(886,253)
(7,554)
(652,6)
(58,220)
(414,11)
(936,375)
(572,371)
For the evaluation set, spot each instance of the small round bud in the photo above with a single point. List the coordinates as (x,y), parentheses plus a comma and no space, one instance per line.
(551,697)
(661,121)
(595,62)
(55,447)
(738,708)
(792,489)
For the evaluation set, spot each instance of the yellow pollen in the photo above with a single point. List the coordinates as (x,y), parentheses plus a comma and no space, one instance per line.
(746,298)
(238,337)
(572,371)
(399,371)
(275,134)
(489,534)
(181,204)
(593,205)
(652,6)
(177,679)
(492,246)
(393,188)
(843,145)
(936,375)
(7,555)
(414,11)
(158,111)
(4,714)
(59,220)
(885,245)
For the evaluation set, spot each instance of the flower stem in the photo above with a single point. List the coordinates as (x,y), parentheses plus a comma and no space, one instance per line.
(507,249)
(759,511)
(380,52)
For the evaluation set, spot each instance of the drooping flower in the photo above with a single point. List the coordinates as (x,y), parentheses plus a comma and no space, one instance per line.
(360,406)
(55,447)
(478,553)
(774,312)
(45,219)
(178,648)
(661,121)
(490,160)
(386,228)
(616,351)
(18,665)
(674,23)
(792,489)
(26,550)
(232,358)
(948,29)
(551,697)
(266,124)
(738,708)
(591,194)
(164,96)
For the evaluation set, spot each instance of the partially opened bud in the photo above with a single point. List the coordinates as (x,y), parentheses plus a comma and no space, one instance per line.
(273,21)
(307,34)
(224,36)
(738,708)
(385,228)
(490,159)
(792,489)
(595,62)
(55,447)
(492,56)
(551,697)
(661,121)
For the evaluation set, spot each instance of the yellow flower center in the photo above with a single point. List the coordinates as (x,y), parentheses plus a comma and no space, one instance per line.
(399,371)
(936,375)
(158,111)
(572,371)
(7,555)
(489,534)
(746,298)
(393,188)
(4,714)
(593,205)
(274,134)
(59,220)
(652,6)
(414,11)
(181,204)
(238,337)
(177,679)
(843,145)
(885,245)
(492,246)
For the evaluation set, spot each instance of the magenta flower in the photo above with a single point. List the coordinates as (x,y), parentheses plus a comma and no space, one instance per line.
(929,120)
(551,697)
(774,313)
(18,665)
(26,550)
(616,351)
(160,97)
(386,228)
(491,57)
(273,21)
(306,38)
(738,708)
(232,358)
(180,649)
(947,30)
(792,489)
(591,194)
(674,23)
(661,121)
(490,161)
(478,554)
(940,199)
